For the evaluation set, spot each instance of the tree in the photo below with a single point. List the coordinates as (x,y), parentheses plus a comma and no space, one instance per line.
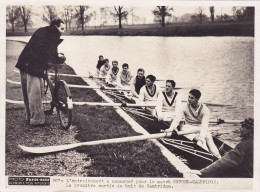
(244,13)
(81,15)
(200,14)
(132,14)
(249,13)
(12,15)
(67,16)
(160,12)
(212,12)
(50,13)
(120,15)
(25,13)
(104,12)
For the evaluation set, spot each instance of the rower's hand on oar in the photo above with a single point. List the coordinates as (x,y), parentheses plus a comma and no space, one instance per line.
(124,105)
(91,77)
(174,132)
(102,88)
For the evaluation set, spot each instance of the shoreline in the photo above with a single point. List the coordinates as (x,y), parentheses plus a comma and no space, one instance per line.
(171,30)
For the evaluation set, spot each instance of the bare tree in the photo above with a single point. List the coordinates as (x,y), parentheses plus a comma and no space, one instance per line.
(12,15)
(25,13)
(50,13)
(120,15)
(201,14)
(104,12)
(67,15)
(81,15)
(160,12)
(132,14)
(212,12)
(95,18)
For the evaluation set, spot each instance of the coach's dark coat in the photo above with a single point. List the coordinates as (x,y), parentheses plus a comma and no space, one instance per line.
(40,51)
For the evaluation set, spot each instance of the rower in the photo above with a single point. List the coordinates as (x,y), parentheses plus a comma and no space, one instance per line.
(124,76)
(195,114)
(137,83)
(239,158)
(104,69)
(149,93)
(100,63)
(112,75)
(167,102)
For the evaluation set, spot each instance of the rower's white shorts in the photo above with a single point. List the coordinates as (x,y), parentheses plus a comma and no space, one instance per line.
(193,135)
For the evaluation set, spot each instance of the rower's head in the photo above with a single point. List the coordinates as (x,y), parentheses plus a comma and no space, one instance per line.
(247,128)
(170,84)
(100,57)
(106,62)
(140,73)
(194,96)
(149,80)
(114,64)
(125,67)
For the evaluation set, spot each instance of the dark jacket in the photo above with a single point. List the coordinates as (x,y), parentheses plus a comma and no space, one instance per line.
(40,51)
(240,158)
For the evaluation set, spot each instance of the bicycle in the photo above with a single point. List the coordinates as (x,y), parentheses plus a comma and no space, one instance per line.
(56,94)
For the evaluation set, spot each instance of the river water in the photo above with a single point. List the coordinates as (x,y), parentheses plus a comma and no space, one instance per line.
(221,67)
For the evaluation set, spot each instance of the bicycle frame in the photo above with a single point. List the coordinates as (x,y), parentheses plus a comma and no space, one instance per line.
(61,98)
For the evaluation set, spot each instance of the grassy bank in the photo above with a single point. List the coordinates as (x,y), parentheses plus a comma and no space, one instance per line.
(135,159)
(184,29)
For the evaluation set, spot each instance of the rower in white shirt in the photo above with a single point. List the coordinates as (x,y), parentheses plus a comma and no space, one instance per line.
(168,102)
(124,77)
(104,69)
(113,74)
(195,114)
(149,93)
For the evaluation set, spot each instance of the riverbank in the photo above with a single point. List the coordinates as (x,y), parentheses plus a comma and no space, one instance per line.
(183,29)
(135,159)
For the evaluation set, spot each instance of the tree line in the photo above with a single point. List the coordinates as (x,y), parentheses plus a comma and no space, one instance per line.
(21,16)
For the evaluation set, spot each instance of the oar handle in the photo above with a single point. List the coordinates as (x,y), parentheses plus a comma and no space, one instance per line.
(229,121)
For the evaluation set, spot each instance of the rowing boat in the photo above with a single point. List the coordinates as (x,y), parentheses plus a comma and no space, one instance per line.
(193,155)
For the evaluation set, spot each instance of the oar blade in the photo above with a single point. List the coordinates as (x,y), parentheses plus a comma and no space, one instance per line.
(49,149)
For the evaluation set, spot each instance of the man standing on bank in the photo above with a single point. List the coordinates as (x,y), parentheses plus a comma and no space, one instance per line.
(35,59)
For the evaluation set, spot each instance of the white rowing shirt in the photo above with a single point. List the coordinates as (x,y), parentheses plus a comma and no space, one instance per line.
(124,79)
(167,106)
(146,96)
(198,117)
(104,71)
(112,75)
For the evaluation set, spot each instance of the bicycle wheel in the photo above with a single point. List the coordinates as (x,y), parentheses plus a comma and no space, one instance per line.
(64,104)
(47,96)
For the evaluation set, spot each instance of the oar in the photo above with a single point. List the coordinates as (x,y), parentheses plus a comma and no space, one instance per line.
(57,148)
(212,104)
(92,103)
(81,86)
(97,87)
(22,102)
(70,75)
(113,104)
(228,121)
(13,82)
